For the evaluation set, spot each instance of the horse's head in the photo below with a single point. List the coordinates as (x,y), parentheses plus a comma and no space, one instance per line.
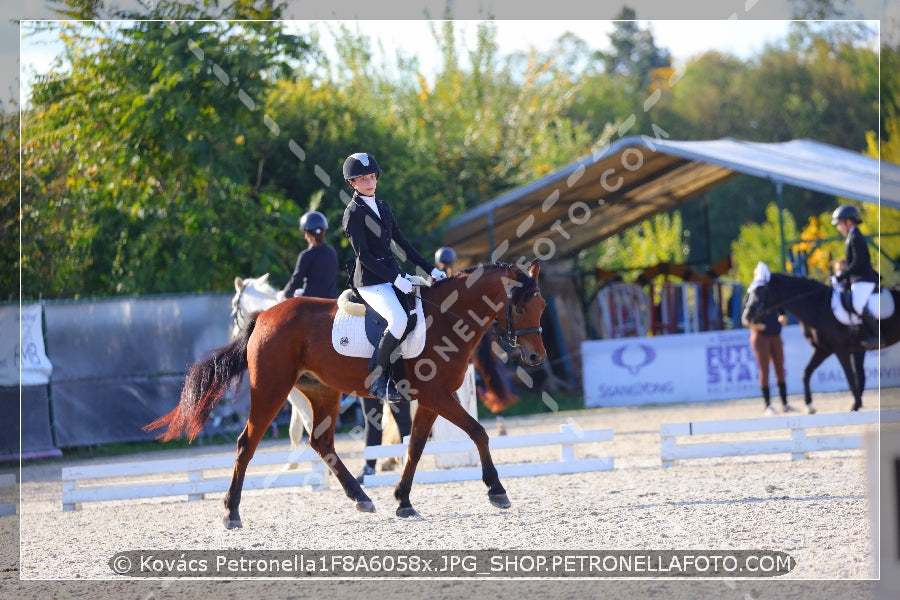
(251,295)
(521,321)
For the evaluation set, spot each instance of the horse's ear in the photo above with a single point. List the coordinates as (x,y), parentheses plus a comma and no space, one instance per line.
(264,278)
(534,269)
(238,284)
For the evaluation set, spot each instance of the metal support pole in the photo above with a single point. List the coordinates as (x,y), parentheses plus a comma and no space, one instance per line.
(490,224)
(778,189)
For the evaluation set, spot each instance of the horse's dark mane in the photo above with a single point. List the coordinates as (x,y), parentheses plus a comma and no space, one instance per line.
(520,293)
(801,279)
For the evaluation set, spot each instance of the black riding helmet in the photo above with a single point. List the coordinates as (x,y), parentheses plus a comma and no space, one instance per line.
(359,164)
(445,255)
(845,211)
(313,221)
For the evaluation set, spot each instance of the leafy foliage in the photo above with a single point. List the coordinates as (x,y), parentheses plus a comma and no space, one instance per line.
(171,155)
(762,242)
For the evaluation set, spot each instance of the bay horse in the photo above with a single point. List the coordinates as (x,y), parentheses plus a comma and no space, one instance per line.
(255,294)
(810,302)
(290,340)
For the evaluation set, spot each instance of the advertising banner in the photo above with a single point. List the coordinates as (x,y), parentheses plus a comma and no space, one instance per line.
(715,365)
(22,354)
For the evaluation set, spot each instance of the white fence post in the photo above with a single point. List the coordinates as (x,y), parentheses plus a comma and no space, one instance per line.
(7,481)
(185,477)
(567,436)
(798,445)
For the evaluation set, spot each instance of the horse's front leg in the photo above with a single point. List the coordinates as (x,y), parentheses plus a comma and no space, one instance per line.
(418,435)
(819,356)
(859,370)
(454,412)
(325,404)
(850,374)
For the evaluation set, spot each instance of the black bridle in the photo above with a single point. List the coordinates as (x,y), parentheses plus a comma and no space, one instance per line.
(511,335)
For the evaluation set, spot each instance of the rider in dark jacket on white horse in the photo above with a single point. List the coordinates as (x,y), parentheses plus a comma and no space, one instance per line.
(859,274)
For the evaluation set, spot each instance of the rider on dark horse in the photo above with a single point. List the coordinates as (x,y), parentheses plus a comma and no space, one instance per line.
(859,274)
(377,277)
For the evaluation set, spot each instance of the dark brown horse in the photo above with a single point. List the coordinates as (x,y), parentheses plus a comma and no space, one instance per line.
(810,302)
(288,345)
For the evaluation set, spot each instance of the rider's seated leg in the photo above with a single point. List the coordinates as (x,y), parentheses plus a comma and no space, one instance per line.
(861,291)
(873,338)
(383,386)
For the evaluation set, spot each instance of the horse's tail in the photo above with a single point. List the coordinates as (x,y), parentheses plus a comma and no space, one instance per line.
(496,396)
(204,384)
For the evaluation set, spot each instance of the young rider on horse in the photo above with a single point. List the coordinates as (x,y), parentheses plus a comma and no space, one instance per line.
(858,274)
(315,274)
(370,227)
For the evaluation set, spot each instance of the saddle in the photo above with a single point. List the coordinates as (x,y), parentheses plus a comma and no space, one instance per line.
(357,327)
(880,304)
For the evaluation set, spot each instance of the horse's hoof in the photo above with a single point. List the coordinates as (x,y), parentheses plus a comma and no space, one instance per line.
(232,523)
(365,506)
(406,511)
(500,500)
(855,407)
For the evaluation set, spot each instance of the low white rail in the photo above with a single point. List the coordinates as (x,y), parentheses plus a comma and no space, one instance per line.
(186,476)
(7,481)
(567,438)
(797,445)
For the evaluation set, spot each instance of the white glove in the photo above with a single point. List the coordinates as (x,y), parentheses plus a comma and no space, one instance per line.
(403,284)
(437,274)
(280,296)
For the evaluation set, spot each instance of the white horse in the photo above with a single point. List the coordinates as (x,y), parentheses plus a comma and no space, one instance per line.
(253,295)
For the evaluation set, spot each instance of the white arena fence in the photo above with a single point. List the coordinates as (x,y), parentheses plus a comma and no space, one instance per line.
(679,440)
(192,477)
(7,482)
(567,439)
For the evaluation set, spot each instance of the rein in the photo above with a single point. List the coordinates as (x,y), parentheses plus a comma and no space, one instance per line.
(510,335)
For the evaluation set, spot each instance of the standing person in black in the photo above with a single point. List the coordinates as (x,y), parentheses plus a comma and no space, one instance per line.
(858,273)
(315,274)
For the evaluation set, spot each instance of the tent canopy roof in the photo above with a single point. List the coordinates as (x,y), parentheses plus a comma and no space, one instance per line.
(637,177)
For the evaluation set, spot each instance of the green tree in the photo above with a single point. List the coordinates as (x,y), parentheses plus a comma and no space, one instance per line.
(134,175)
(633,52)
(661,238)
(762,242)
(9,206)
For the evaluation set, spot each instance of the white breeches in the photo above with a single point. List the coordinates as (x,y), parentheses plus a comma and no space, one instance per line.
(860,291)
(382,298)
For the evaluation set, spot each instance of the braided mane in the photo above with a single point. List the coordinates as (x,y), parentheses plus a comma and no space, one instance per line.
(519,293)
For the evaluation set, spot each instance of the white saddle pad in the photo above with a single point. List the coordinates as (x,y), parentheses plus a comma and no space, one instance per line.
(348,335)
(880,305)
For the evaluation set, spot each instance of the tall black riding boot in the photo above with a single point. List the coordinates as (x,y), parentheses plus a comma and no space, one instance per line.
(383,387)
(873,333)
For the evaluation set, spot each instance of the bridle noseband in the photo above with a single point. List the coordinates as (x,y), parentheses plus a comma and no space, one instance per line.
(511,335)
